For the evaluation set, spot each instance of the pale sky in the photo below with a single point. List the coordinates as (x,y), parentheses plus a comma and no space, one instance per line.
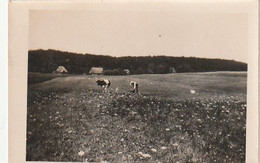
(205,31)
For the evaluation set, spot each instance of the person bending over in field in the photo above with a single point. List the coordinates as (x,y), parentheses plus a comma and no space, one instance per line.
(134,86)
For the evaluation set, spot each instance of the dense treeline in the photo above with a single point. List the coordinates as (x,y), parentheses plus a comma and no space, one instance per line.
(48,60)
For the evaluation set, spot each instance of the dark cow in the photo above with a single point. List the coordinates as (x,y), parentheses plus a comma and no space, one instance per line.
(104,83)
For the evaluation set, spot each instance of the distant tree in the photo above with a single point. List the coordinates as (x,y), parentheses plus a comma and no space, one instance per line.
(117,71)
(140,70)
(151,68)
(187,68)
(162,69)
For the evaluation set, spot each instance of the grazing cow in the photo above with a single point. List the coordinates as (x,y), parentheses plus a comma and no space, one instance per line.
(134,86)
(104,83)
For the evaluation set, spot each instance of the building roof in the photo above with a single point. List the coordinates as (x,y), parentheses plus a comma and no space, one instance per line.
(96,70)
(61,69)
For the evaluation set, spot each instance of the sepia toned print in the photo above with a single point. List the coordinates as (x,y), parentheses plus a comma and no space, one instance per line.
(108,85)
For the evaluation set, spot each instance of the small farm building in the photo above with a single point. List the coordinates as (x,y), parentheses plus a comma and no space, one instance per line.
(172,70)
(96,71)
(127,72)
(61,70)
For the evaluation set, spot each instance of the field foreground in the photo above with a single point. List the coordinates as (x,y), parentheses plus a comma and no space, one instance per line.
(71,119)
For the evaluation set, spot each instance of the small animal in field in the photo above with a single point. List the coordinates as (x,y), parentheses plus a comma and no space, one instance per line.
(134,86)
(104,83)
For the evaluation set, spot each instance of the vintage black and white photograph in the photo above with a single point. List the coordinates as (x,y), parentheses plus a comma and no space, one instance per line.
(143,83)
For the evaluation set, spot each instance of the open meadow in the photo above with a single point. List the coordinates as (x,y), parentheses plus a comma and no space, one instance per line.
(185,117)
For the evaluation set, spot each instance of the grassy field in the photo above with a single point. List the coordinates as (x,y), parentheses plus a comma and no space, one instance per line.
(70,118)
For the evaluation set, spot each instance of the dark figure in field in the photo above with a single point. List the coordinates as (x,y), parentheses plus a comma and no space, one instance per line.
(104,83)
(134,86)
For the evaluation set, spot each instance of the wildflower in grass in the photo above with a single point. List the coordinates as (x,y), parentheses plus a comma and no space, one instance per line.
(153,150)
(163,148)
(144,155)
(175,144)
(81,153)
